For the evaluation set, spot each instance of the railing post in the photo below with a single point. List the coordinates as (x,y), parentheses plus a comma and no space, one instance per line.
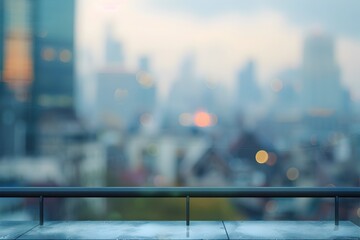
(41,211)
(337,211)
(187,210)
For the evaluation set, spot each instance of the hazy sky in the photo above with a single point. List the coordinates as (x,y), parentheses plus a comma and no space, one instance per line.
(222,35)
(337,16)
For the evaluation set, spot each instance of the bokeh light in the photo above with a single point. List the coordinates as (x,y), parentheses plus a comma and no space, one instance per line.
(358,212)
(271,206)
(262,157)
(145,80)
(65,56)
(48,54)
(292,173)
(120,93)
(202,119)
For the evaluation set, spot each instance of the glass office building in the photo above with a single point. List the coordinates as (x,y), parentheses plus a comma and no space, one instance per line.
(38,67)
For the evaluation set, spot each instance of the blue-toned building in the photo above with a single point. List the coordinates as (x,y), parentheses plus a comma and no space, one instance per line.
(53,87)
(15,74)
(247,90)
(37,69)
(125,99)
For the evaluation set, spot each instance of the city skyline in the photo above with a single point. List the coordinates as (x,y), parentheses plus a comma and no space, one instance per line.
(160,93)
(222,43)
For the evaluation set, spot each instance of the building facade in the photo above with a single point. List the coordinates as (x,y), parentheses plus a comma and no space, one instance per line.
(37,67)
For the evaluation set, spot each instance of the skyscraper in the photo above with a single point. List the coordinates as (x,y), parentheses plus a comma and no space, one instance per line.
(114,54)
(322,91)
(53,48)
(125,98)
(1,41)
(16,73)
(247,91)
(323,97)
(37,67)
(1,47)
(2,84)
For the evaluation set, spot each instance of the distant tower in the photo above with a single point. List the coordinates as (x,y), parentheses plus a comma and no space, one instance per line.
(322,91)
(113,49)
(185,93)
(125,99)
(248,92)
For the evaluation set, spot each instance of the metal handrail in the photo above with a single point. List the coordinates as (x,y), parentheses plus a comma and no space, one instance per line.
(187,192)
(179,192)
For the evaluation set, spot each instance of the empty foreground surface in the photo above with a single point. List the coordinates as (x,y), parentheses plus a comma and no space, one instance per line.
(178,230)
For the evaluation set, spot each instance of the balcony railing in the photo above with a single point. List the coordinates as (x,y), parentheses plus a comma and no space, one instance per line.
(177,192)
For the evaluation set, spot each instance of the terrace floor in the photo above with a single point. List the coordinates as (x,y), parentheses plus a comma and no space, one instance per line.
(178,230)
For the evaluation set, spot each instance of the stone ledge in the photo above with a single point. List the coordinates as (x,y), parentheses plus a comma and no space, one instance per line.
(178,230)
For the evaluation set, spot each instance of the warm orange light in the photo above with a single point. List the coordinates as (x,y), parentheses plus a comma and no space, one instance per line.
(261,156)
(202,119)
(17,60)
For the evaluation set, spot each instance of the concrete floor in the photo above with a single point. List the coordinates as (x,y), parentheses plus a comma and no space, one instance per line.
(178,230)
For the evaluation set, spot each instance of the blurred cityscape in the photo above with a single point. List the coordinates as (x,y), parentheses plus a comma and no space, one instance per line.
(301,128)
